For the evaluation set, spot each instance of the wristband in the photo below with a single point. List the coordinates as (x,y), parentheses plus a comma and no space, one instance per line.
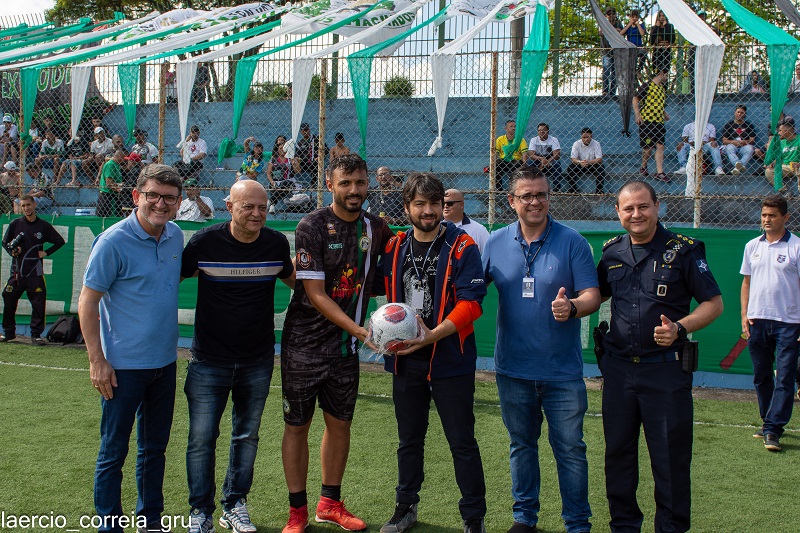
(574,311)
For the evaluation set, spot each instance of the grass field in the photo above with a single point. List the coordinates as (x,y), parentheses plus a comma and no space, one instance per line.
(49,418)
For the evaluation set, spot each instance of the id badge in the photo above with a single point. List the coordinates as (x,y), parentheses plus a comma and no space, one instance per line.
(527,287)
(417,298)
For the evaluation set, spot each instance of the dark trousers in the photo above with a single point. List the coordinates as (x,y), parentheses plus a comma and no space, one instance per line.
(187,171)
(774,344)
(35,288)
(658,397)
(453,397)
(504,169)
(108,204)
(575,172)
(609,75)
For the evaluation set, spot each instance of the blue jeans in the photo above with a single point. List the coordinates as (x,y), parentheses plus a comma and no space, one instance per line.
(774,343)
(609,75)
(716,157)
(564,405)
(149,397)
(207,389)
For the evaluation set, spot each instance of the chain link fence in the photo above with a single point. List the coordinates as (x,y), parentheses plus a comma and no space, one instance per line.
(402,124)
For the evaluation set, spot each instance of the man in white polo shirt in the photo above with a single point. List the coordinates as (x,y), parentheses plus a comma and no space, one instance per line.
(454,212)
(771,316)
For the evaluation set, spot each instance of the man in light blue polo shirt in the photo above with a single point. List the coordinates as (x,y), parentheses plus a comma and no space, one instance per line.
(131,282)
(546,279)
(770,301)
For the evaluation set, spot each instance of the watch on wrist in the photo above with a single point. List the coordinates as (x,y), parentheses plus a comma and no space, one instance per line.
(682,333)
(574,310)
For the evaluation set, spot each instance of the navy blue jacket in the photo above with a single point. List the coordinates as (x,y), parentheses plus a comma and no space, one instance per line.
(459,276)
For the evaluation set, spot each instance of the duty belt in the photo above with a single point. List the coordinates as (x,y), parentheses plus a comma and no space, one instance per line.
(664,357)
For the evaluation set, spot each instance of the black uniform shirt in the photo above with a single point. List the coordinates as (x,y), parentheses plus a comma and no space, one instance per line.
(662,282)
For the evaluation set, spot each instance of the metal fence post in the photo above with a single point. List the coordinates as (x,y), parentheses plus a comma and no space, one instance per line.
(323,82)
(162,110)
(556,40)
(492,133)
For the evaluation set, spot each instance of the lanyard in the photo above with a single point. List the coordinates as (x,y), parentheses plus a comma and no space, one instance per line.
(528,265)
(414,262)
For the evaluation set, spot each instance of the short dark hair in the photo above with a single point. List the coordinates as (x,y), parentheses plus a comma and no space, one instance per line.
(163,174)
(509,121)
(526,174)
(339,135)
(195,128)
(423,184)
(742,107)
(586,130)
(634,12)
(543,124)
(26,197)
(777,201)
(348,163)
(636,185)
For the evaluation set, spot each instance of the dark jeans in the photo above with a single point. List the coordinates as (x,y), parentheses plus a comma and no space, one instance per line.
(658,397)
(108,204)
(207,389)
(609,75)
(503,172)
(774,343)
(190,170)
(454,397)
(149,397)
(36,290)
(576,172)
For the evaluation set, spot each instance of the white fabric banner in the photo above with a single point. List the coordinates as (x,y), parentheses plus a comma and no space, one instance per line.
(386,9)
(303,67)
(165,20)
(187,69)
(708,61)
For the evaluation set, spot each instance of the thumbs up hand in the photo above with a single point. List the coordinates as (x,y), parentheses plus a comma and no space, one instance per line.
(561,306)
(666,333)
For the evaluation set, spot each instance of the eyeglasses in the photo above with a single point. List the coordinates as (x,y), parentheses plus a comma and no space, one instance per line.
(451,203)
(154,197)
(528,199)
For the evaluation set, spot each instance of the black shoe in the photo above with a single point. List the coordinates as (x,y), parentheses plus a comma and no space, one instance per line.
(772,442)
(8,337)
(522,528)
(474,525)
(403,519)
(759,434)
(37,340)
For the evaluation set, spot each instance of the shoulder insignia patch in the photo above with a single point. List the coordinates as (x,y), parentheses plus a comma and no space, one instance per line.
(611,241)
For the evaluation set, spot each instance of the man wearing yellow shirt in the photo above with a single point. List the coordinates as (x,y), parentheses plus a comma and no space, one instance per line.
(505,168)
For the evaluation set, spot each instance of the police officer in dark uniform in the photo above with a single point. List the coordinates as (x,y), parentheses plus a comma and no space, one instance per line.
(651,276)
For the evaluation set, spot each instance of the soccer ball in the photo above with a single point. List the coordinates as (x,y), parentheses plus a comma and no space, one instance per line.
(391,325)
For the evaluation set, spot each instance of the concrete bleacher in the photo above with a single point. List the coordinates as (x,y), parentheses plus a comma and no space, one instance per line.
(464,154)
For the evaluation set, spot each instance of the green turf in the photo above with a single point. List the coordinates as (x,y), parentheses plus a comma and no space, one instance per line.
(49,439)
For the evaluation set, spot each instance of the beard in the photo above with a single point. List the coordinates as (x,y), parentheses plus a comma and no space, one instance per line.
(341,201)
(426,224)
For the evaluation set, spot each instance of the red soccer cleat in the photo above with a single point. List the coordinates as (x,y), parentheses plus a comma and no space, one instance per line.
(298,520)
(334,512)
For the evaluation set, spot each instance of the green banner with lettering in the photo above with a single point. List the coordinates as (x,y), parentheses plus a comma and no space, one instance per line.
(64,274)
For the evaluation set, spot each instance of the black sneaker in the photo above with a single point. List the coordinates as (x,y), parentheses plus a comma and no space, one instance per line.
(403,519)
(8,337)
(759,434)
(474,525)
(772,442)
(519,527)
(37,340)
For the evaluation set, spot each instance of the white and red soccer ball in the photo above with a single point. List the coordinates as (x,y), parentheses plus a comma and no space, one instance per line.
(391,325)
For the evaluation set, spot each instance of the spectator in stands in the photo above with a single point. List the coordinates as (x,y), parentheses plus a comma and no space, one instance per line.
(9,137)
(307,155)
(50,153)
(738,140)
(108,204)
(41,192)
(795,87)
(503,168)
(130,176)
(662,38)
(202,81)
(99,149)
(37,136)
(609,71)
(649,105)
(193,150)
(710,147)
(76,152)
(195,208)
(790,150)
(387,201)
(754,84)
(253,163)
(586,160)
(50,124)
(544,153)
(339,149)
(119,143)
(171,84)
(148,153)
(280,173)
(9,186)
(634,32)
(454,213)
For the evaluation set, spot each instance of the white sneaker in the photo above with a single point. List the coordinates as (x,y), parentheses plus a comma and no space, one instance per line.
(199,522)
(739,167)
(735,171)
(271,209)
(719,172)
(238,518)
(681,170)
